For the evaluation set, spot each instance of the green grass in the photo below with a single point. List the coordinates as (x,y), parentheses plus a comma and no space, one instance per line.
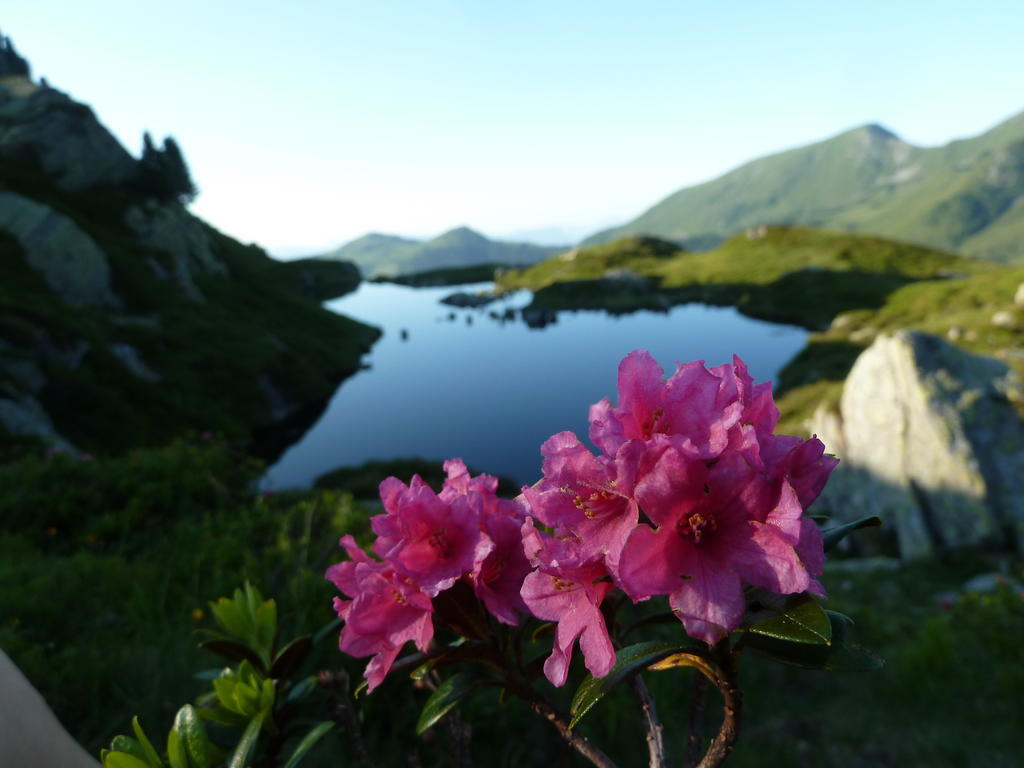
(259,322)
(103,618)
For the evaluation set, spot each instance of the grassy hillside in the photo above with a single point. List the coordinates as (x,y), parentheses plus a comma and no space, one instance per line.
(848,288)
(961,196)
(388,256)
(126,321)
(793,275)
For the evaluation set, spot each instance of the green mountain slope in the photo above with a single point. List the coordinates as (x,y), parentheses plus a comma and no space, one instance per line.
(125,320)
(793,275)
(967,195)
(387,256)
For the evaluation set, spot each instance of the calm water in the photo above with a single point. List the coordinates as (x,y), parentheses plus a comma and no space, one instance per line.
(492,392)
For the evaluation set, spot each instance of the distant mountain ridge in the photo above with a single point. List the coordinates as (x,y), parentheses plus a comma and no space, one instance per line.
(379,255)
(967,195)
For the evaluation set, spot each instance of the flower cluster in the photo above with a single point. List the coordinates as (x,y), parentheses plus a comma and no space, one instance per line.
(427,542)
(692,496)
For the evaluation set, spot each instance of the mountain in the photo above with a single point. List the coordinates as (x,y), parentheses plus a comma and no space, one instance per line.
(388,256)
(967,195)
(124,319)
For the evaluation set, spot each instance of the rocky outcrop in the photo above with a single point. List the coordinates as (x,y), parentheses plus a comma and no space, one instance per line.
(61,138)
(173,230)
(71,263)
(930,441)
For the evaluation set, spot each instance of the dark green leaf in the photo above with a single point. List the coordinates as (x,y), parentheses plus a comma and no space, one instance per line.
(328,629)
(301,689)
(291,657)
(628,661)
(802,622)
(543,629)
(833,536)
(840,655)
(447,695)
(308,742)
(246,745)
(233,651)
(193,733)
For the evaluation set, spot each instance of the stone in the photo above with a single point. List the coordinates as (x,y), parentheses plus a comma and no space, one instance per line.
(930,441)
(30,734)
(1004,318)
(172,229)
(48,130)
(68,259)
(25,416)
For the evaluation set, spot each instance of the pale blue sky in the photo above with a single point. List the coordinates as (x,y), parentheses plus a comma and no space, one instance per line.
(308,123)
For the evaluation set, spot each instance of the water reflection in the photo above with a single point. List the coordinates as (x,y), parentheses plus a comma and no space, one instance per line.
(490,384)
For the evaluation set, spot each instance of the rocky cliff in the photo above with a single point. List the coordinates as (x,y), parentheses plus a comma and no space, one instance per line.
(124,319)
(929,440)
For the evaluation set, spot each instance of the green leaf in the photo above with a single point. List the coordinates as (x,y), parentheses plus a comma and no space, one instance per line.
(802,622)
(193,733)
(447,695)
(291,657)
(176,753)
(628,661)
(147,747)
(128,745)
(246,745)
(265,625)
(308,742)
(301,689)
(839,656)
(833,536)
(123,760)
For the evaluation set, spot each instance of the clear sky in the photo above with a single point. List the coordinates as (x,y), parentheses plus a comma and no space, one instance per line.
(307,123)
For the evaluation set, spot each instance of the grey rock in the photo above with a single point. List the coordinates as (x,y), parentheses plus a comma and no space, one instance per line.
(930,441)
(172,229)
(70,261)
(129,356)
(1004,318)
(61,137)
(25,416)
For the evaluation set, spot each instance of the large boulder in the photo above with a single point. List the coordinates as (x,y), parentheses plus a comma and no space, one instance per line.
(930,441)
(69,260)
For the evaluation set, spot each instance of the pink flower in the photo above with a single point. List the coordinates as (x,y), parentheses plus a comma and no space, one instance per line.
(386,611)
(499,580)
(688,406)
(590,496)
(718,527)
(566,589)
(427,539)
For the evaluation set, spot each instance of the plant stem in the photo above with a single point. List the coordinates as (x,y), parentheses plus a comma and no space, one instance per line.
(560,721)
(655,730)
(723,675)
(340,705)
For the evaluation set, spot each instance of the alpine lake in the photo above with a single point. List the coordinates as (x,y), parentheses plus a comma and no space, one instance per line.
(485,386)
